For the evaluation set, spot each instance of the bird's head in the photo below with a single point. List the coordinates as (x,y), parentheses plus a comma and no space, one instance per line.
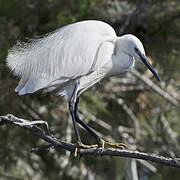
(132,46)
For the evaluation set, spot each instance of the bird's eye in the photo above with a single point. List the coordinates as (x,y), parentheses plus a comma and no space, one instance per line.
(136,49)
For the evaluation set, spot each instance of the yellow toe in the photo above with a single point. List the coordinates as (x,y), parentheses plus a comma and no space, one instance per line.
(115,145)
(83,146)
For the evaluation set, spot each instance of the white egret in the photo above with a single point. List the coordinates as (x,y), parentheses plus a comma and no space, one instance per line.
(73,58)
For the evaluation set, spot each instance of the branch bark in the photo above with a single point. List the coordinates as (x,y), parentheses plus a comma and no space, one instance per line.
(55,143)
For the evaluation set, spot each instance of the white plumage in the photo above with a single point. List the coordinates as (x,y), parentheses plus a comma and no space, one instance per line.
(87,50)
(73,58)
(57,58)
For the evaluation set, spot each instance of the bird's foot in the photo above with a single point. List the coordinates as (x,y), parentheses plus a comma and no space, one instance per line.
(83,146)
(115,145)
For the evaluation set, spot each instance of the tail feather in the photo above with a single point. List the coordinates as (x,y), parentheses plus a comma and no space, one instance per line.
(33,85)
(21,84)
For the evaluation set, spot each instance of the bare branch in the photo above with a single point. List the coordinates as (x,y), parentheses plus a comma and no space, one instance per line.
(157,89)
(132,116)
(54,143)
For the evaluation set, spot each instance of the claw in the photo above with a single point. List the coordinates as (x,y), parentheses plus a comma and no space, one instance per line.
(102,142)
(75,152)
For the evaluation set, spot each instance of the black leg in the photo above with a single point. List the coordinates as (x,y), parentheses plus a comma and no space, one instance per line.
(71,109)
(89,129)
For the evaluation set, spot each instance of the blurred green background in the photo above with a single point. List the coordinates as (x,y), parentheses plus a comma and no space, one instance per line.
(120,108)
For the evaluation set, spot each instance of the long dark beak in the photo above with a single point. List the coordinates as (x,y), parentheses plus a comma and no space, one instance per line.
(147,63)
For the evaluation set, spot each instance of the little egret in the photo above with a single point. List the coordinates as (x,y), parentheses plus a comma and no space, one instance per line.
(73,58)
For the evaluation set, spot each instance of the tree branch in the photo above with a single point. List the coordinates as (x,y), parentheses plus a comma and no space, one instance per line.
(156,88)
(55,143)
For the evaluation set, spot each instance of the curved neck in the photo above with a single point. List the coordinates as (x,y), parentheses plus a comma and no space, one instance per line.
(121,63)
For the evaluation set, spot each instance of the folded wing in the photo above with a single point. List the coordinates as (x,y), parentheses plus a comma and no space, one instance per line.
(67,53)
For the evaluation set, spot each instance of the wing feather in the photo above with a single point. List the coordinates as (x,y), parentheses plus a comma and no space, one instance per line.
(68,52)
